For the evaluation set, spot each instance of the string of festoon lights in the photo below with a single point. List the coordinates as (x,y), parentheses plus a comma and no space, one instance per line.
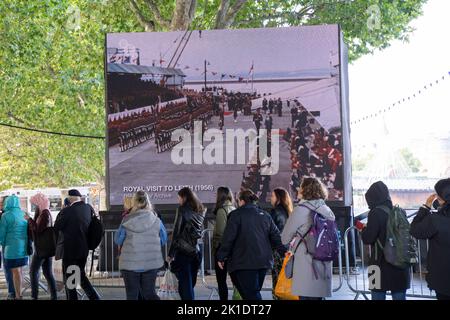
(404,100)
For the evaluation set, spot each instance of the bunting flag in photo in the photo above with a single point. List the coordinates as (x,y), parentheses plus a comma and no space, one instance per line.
(186,67)
(402,100)
(197,69)
(213,73)
(241,79)
(251,69)
(223,75)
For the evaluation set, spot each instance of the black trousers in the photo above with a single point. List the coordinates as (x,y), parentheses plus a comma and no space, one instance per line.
(71,293)
(221,276)
(249,283)
(441,296)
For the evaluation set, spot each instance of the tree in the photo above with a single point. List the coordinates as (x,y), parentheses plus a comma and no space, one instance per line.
(52,77)
(413,163)
(367,24)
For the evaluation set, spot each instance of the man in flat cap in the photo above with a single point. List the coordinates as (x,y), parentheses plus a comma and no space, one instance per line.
(435,226)
(72,225)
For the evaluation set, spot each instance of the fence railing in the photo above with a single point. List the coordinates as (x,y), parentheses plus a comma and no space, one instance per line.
(103,271)
(356,264)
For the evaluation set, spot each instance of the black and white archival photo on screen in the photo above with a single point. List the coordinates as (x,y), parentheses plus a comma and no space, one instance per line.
(174,97)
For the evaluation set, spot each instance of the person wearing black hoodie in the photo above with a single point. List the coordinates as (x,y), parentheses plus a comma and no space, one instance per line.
(393,279)
(247,244)
(435,227)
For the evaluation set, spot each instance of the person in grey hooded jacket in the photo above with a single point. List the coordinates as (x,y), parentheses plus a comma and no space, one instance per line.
(305,284)
(140,237)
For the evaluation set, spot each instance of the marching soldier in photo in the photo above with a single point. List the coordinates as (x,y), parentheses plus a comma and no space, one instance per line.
(265,105)
(258,119)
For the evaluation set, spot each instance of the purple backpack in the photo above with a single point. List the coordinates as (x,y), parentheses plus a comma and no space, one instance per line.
(322,238)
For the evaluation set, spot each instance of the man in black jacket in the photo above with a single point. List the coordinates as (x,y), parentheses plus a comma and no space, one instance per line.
(436,228)
(247,244)
(72,225)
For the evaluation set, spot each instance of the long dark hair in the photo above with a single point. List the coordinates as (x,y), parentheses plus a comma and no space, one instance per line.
(284,199)
(191,199)
(224,194)
(248,196)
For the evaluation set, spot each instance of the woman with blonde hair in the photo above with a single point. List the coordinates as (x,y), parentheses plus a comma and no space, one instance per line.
(141,236)
(311,280)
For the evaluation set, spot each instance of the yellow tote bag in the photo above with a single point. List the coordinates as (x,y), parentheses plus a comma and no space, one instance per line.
(284,285)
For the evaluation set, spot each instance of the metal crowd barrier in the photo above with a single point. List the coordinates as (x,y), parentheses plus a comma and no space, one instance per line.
(102,268)
(356,274)
(208,256)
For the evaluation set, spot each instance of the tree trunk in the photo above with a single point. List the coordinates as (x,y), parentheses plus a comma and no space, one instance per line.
(183,14)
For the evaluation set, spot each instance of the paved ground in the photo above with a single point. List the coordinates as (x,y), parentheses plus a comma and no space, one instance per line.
(203,290)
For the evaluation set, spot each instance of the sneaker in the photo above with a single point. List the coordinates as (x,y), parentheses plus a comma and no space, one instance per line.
(11,297)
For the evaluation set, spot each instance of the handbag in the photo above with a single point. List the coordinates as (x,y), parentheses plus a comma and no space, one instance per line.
(283,288)
(236,294)
(45,242)
(168,287)
(29,241)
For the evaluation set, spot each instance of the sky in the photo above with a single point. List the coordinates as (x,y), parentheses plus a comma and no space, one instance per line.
(270,50)
(379,80)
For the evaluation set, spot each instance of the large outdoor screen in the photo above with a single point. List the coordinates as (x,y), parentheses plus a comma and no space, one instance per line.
(253,108)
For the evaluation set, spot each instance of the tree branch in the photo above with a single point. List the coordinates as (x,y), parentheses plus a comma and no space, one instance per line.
(228,14)
(147,24)
(221,14)
(183,14)
(157,14)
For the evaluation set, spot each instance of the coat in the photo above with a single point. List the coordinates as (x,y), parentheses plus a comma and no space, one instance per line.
(71,226)
(13,229)
(141,249)
(183,216)
(436,228)
(392,278)
(304,281)
(279,216)
(248,240)
(221,222)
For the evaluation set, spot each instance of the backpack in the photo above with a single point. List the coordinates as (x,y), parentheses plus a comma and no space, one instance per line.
(321,241)
(95,232)
(400,249)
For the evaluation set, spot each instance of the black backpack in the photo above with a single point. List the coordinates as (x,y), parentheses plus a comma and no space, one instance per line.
(95,232)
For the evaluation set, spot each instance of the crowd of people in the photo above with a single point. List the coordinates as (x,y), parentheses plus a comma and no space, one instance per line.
(315,152)
(247,242)
(37,238)
(128,92)
(159,121)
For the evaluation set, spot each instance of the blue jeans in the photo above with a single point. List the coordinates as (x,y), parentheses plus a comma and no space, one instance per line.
(9,280)
(140,284)
(187,269)
(381,295)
